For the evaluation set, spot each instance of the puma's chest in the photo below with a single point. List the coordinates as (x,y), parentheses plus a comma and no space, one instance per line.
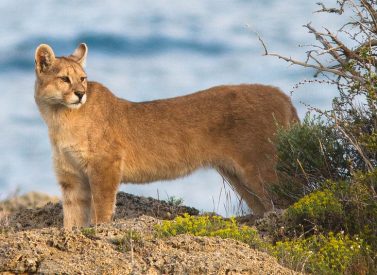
(70,149)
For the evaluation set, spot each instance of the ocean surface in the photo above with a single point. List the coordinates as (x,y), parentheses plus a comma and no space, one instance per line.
(145,50)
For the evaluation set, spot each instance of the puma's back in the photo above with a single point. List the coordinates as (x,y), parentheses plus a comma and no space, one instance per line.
(100,140)
(203,129)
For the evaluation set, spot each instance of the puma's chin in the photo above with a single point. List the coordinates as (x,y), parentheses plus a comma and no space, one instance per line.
(77,104)
(74,105)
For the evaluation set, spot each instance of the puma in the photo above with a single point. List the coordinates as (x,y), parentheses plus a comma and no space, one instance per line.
(99,140)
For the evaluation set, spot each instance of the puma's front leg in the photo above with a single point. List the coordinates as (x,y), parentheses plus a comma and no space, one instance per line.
(76,200)
(104,182)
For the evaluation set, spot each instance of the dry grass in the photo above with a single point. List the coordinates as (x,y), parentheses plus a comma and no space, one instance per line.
(233,204)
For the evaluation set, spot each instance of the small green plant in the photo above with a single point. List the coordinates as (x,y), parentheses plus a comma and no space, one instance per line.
(89,232)
(4,222)
(174,201)
(321,254)
(209,226)
(4,230)
(129,240)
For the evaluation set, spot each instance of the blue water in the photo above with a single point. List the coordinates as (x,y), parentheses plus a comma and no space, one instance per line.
(144,50)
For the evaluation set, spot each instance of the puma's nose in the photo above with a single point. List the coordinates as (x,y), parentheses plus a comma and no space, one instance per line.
(79,94)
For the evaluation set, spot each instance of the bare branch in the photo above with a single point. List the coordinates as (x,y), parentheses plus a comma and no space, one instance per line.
(339,10)
(372,12)
(346,51)
(263,44)
(327,45)
(329,50)
(352,66)
(318,67)
(357,147)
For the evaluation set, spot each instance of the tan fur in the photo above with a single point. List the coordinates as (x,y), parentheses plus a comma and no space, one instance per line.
(107,140)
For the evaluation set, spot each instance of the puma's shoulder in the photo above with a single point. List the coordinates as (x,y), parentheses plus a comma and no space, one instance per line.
(98,90)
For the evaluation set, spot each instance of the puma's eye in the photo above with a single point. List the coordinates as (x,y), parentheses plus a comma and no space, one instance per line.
(83,78)
(65,79)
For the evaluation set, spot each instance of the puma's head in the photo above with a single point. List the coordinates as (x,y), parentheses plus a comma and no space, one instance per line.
(61,80)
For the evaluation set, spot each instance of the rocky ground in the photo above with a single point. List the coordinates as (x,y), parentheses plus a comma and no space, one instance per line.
(32,240)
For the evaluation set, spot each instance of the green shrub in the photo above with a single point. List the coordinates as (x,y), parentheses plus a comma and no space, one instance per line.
(358,199)
(336,160)
(209,226)
(319,210)
(343,205)
(322,254)
(307,155)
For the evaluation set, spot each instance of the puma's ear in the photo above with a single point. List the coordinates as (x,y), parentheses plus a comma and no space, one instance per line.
(79,55)
(44,58)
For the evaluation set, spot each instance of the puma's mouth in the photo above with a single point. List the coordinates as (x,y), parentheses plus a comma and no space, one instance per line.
(75,105)
(78,103)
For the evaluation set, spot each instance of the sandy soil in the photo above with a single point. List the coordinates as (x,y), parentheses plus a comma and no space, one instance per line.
(33,241)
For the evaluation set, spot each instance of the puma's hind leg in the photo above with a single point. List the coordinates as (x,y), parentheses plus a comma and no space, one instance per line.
(252,197)
(257,181)
(252,172)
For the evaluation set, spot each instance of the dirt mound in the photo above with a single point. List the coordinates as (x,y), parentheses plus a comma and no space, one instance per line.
(127,206)
(34,242)
(29,200)
(107,250)
(130,206)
